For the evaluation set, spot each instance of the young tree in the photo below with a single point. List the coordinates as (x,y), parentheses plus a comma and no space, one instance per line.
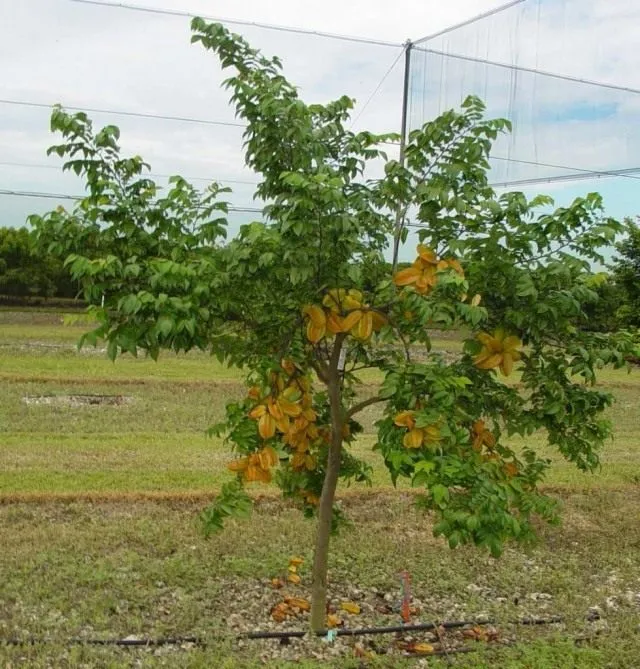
(16,263)
(304,300)
(26,271)
(602,315)
(626,271)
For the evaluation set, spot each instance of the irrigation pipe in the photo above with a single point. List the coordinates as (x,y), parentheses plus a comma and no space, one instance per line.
(420,627)
(285,634)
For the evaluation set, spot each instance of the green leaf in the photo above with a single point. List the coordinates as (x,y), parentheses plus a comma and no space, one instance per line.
(165,325)
(112,349)
(232,501)
(440,494)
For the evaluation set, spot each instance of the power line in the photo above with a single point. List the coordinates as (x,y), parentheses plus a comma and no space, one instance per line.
(627,173)
(562,178)
(238,22)
(529,70)
(582,173)
(7,163)
(474,19)
(116,112)
(575,174)
(379,86)
(65,196)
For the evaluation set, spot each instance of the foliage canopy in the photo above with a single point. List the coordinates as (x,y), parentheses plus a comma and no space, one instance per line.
(27,271)
(305,300)
(626,272)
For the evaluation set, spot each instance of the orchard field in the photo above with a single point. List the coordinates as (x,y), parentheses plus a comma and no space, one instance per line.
(99,498)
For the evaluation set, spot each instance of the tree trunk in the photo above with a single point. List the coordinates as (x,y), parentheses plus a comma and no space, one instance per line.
(325,510)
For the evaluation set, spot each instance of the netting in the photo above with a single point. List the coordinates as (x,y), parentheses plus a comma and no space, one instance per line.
(178,118)
(537,63)
(529,62)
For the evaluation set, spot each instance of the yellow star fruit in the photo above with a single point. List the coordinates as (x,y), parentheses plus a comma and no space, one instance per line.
(317,323)
(364,327)
(405,419)
(266,425)
(427,255)
(482,436)
(256,467)
(416,436)
(451,263)
(498,350)
(413,438)
(344,312)
(423,273)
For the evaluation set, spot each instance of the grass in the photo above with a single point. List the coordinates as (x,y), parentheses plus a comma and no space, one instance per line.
(98,521)
(108,570)
(66,364)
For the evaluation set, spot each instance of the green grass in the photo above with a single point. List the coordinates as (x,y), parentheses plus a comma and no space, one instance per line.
(157,440)
(90,555)
(45,333)
(90,365)
(109,570)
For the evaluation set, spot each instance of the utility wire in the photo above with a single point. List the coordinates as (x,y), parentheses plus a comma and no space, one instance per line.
(578,174)
(379,86)
(239,22)
(529,70)
(474,19)
(8,163)
(564,178)
(116,112)
(573,173)
(65,196)
(626,173)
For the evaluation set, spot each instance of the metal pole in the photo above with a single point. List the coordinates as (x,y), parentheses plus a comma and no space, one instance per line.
(403,140)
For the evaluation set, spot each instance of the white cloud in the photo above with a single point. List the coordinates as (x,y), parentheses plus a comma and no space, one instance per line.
(77,54)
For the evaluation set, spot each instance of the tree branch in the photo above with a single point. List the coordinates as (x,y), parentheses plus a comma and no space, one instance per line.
(423,177)
(405,344)
(356,408)
(321,370)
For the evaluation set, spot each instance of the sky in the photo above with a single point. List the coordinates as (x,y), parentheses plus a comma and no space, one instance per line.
(86,55)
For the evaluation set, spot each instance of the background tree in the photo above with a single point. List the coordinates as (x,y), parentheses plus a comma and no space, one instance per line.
(26,270)
(602,315)
(305,300)
(626,270)
(16,278)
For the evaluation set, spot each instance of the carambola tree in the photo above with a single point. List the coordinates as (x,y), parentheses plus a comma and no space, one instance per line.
(305,299)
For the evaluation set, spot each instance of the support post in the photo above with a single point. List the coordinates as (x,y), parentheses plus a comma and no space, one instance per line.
(403,140)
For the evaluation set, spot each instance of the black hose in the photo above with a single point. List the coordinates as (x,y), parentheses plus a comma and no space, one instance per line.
(162,641)
(292,634)
(341,631)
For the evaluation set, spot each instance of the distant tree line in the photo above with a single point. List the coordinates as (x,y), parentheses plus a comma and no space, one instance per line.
(29,271)
(618,290)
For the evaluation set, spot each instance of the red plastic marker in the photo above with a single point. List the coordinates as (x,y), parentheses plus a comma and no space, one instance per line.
(406,597)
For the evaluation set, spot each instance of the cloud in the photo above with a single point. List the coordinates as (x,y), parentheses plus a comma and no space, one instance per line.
(83,55)
(557,121)
(90,56)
